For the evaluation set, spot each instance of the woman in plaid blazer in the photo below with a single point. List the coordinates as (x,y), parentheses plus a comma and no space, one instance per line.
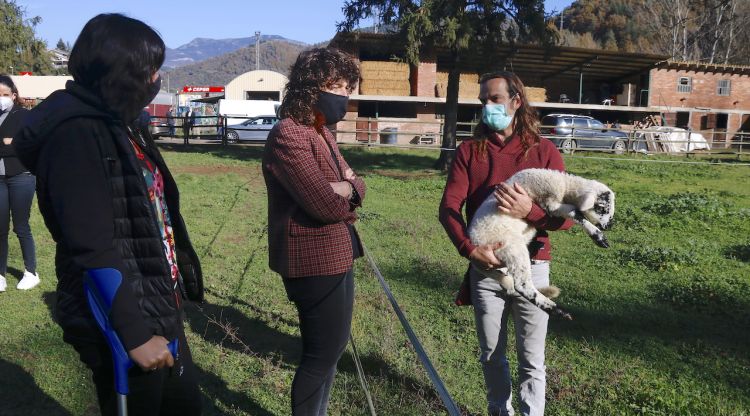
(312,196)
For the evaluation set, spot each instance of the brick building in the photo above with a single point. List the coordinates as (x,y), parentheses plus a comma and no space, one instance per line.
(712,98)
(610,86)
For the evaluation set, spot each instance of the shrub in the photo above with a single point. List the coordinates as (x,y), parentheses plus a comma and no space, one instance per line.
(686,204)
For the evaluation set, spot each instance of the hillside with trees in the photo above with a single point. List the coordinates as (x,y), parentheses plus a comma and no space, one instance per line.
(275,55)
(712,31)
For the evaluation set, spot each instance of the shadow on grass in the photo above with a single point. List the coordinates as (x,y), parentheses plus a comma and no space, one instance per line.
(699,338)
(215,390)
(423,272)
(16,273)
(20,395)
(362,160)
(229,327)
(740,252)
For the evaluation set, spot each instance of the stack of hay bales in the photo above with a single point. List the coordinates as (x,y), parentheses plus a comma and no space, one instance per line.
(468,85)
(384,78)
(536,94)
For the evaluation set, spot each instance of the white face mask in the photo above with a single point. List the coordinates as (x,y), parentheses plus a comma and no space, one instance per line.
(5,103)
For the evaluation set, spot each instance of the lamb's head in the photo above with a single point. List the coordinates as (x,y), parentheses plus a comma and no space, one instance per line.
(598,205)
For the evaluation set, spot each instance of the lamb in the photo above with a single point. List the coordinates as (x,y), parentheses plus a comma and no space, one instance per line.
(587,202)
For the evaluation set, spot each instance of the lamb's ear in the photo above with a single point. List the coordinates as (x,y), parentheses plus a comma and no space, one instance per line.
(586,202)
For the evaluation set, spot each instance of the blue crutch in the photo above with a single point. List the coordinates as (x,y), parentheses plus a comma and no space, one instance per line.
(101,286)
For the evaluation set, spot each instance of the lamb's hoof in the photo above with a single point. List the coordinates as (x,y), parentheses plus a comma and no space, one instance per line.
(561,313)
(601,241)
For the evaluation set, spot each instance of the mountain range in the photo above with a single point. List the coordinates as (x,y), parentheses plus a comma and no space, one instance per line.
(218,61)
(200,49)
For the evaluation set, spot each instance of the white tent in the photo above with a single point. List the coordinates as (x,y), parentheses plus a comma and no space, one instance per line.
(674,139)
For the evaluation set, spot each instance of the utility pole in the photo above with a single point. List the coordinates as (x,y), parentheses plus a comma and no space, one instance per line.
(561,20)
(257,50)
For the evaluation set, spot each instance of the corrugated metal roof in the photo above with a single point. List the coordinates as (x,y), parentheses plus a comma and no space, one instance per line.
(539,61)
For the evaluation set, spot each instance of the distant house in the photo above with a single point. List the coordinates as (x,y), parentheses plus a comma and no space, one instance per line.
(713,98)
(59,58)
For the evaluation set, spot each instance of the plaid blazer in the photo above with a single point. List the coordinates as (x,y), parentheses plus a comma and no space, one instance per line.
(307,222)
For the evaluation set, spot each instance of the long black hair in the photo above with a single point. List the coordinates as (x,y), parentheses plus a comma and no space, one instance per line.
(115,57)
(314,70)
(8,82)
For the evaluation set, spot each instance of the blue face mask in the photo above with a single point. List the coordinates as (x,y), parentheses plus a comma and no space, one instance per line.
(496,117)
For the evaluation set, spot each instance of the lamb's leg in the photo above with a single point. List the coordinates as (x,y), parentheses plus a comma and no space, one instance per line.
(517,260)
(570,211)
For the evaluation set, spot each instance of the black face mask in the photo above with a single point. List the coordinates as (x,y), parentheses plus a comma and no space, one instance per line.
(153,90)
(332,106)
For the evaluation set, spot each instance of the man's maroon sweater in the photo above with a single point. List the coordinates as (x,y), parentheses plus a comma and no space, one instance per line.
(472,178)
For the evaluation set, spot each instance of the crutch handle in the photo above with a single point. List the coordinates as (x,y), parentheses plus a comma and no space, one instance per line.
(101,286)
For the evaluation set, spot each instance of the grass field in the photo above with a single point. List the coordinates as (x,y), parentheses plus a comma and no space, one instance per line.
(661,319)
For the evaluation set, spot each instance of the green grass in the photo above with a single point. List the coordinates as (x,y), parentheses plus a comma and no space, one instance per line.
(660,319)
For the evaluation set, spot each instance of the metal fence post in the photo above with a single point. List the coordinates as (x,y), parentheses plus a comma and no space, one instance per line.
(687,152)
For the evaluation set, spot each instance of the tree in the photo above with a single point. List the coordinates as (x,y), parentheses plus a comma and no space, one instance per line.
(459,27)
(61,45)
(20,50)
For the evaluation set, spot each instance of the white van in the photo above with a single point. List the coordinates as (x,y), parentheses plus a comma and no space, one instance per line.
(238,111)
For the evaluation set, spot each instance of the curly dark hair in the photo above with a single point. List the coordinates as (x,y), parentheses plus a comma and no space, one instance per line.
(525,121)
(314,70)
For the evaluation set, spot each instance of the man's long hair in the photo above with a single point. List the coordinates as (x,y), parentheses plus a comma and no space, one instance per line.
(525,121)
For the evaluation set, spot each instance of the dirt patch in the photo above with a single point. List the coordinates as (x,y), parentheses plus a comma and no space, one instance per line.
(219,170)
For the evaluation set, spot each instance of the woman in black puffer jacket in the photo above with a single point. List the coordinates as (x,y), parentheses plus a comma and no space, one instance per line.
(17,187)
(109,201)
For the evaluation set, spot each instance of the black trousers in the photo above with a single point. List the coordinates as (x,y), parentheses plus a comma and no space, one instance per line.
(16,196)
(325,306)
(163,392)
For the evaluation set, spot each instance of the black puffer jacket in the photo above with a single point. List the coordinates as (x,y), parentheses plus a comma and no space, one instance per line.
(95,203)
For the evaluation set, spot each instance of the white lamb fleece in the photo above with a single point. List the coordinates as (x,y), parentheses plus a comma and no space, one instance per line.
(560,194)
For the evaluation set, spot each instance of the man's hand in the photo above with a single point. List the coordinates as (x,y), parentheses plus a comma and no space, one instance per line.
(343,188)
(513,201)
(153,354)
(484,256)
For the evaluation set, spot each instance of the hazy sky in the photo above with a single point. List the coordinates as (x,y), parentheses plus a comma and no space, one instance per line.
(179,22)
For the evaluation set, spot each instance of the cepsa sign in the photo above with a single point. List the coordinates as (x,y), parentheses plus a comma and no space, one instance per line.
(193,88)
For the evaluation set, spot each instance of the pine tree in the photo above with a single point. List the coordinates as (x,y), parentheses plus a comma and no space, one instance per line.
(458,26)
(20,50)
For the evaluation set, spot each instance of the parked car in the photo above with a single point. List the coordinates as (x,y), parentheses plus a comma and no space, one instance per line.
(158,127)
(256,128)
(571,131)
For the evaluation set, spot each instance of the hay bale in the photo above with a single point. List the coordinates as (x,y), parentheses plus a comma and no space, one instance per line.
(379,70)
(385,87)
(536,94)
(468,84)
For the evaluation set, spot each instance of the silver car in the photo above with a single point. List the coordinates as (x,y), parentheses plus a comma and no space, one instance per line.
(256,128)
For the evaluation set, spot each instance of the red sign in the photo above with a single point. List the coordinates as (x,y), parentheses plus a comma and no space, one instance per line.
(193,88)
(30,73)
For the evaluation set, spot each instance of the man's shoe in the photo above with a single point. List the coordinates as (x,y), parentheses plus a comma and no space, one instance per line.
(3,283)
(29,280)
